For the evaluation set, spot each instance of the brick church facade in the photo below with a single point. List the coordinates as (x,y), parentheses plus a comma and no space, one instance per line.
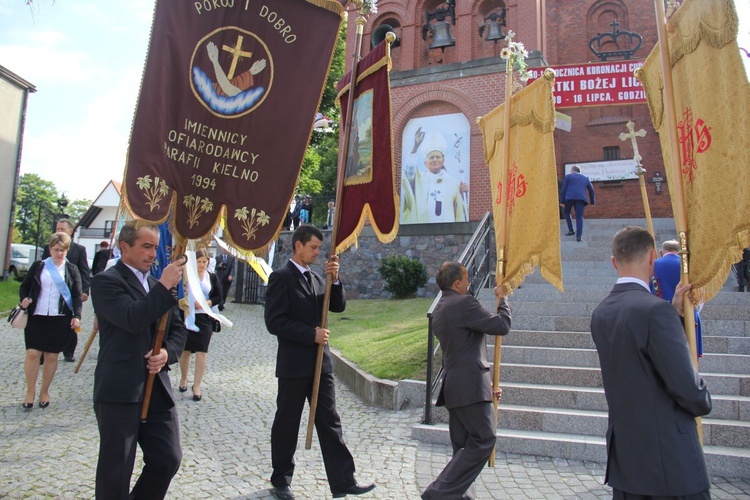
(468,79)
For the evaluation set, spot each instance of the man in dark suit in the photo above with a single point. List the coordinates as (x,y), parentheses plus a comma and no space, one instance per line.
(224,270)
(128,304)
(460,324)
(77,256)
(294,307)
(101,258)
(652,389)
(573,195)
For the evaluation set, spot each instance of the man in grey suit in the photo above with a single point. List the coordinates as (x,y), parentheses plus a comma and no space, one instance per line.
(652,389)
(460,324)
(129,302)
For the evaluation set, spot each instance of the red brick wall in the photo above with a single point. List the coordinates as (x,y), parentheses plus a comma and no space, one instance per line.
(570,24)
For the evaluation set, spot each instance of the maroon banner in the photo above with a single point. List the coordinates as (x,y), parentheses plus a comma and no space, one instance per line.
(369,190)
(225,113)
(595,84)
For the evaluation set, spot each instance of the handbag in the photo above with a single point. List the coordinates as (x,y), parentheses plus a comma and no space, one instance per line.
(215,325)
(18,317)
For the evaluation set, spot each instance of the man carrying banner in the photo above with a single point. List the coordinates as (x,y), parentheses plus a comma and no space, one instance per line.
(294,306)
(460,324)
(128,303)
(652,389)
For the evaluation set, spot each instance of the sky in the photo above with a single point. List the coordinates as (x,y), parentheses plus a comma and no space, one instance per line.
(86,60)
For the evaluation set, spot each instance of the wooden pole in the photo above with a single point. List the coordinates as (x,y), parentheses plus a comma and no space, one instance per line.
(676,188)
(158,339)
(501,237)
(343,154)
(88,345)
(644,195)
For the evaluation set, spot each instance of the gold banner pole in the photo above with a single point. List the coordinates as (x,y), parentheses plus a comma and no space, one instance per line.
(334,230)
(501,239)
(676,187)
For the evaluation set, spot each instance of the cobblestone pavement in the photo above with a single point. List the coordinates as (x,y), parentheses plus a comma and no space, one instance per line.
(52,453)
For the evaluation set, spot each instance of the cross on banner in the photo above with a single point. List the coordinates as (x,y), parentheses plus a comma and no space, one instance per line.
(237,53)
(632,134)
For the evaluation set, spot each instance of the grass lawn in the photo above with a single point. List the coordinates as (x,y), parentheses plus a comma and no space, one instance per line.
(386,338)
(8,294)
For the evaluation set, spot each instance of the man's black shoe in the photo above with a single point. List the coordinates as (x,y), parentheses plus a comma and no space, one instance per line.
(570,233)
(354,490)
(70,359)
(283,492)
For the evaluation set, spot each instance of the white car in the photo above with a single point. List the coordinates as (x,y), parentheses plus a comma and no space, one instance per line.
(21,258)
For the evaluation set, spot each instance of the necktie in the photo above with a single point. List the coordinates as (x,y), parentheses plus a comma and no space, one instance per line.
(308,277)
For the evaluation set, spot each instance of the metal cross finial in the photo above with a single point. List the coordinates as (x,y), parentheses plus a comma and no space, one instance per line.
(632,134)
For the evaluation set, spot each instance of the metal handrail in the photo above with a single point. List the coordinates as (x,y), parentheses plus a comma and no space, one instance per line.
(479,248)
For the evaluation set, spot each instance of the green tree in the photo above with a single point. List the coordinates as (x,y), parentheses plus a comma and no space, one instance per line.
(318,174)
(36,206)
(77,208)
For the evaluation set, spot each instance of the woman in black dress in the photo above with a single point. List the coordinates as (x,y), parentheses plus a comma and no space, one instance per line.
(197,342)
(51,294)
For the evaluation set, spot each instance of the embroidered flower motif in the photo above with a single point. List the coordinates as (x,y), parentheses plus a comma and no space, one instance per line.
(153,193)
(251,220)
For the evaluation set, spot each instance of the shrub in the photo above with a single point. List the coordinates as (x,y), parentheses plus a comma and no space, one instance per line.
(403,275)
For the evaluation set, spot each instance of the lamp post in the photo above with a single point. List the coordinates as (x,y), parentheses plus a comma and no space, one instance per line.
(62,203)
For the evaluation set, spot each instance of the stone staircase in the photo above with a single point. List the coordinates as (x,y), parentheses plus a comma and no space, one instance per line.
(553,401)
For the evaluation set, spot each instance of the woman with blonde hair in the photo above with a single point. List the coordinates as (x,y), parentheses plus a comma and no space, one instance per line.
(52,296)
(197,342)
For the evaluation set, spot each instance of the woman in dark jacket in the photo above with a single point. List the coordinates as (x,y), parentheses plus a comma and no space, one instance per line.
(51,294)
(197,342)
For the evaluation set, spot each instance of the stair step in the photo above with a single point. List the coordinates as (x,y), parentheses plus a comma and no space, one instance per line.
(721,460)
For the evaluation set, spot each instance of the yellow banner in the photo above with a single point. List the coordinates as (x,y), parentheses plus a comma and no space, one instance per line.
(533,228)
(712,108)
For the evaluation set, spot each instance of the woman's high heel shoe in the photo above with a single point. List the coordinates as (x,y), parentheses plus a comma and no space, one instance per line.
(28,406)
(196,397)
(183,389)
(43,404)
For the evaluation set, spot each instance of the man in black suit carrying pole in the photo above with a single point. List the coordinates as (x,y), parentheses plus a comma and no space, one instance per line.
(294,307)
(460,324)
(129,303)
(653,391)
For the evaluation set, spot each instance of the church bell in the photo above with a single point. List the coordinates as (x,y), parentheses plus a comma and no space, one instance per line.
(494,32)
(442,36)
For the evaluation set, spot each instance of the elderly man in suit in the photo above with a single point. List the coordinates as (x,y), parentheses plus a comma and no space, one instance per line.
(294,307)
(573,195)
(224,270)
(460,324)
(652,389)
(129,303)
(76,256)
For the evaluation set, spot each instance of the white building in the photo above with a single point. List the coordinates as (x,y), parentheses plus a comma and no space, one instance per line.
(14,93)
(99,223)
